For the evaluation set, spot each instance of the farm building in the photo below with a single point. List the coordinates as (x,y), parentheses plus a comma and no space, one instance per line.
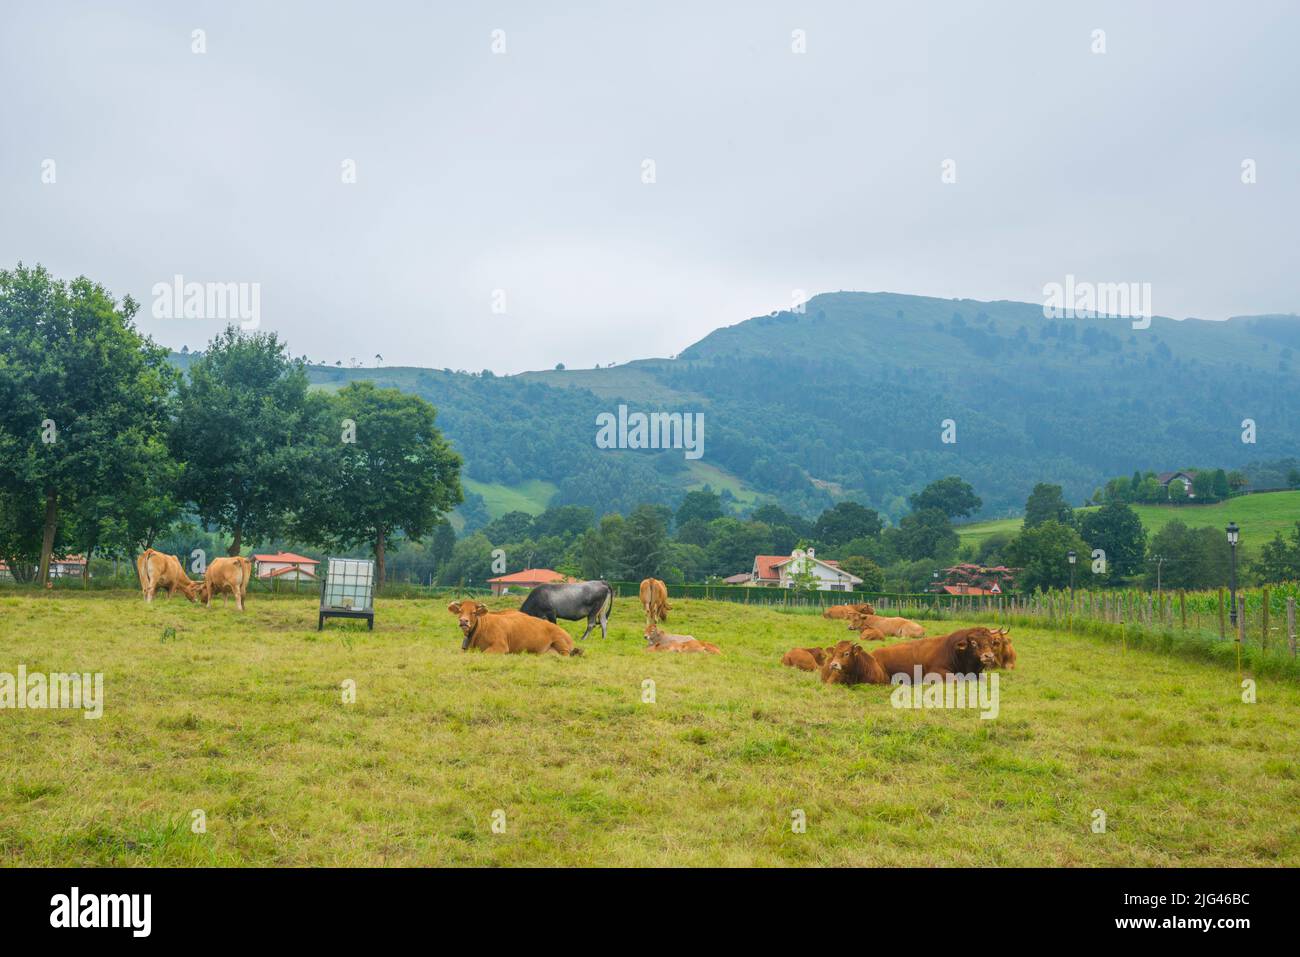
(528,578)
(781,571)
(1180,482)
(285,566)
(69,567)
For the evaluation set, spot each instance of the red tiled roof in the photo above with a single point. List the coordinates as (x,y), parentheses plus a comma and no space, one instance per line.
(288,570)
(530,576)
(737,579)
(767,565)
(288,558)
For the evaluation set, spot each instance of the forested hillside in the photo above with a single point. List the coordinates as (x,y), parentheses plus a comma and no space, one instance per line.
(847,400)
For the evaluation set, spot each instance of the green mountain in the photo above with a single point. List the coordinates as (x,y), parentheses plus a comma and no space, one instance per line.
(849,399)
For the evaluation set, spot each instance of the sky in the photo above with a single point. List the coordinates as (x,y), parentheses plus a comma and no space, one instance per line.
(500,215)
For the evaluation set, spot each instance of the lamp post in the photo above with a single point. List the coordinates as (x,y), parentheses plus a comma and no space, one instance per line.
(1233,532)
(1072,557)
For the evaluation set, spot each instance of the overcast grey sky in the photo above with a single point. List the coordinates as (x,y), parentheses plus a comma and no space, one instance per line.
(478,171)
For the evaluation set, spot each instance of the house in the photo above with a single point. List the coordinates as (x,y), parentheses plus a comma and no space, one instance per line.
(285,566)
(967,578)
(69,567)
(5,574)
(744,578)
(783,571)
(528,578)
(1184,478)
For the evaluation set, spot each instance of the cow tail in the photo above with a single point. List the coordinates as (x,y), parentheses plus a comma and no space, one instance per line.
(610,610)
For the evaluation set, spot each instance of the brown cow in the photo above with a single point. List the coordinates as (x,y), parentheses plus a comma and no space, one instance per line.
(806,659)
(851,664)
(848,611)
(866,632)
(509,632)
(663,641)
(968,651)
(654,599)
(226,574)
(1002,650)
(892,626)
(157,570)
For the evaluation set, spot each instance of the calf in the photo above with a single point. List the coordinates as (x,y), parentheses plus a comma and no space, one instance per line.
(158,570)
(866,632)
(226,575)
(964,652)
(851,664)
(806,659)
(509,632)
(663,641)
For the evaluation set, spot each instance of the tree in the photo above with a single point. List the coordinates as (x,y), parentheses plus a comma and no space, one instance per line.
(734,545)
(249,436)
(397,475)
(1046,503)
(642,548)
(1117,530)
(1237,480)
(873,579)
(699,506)
(1193,558)
(1041,554)
(950,495)
(1203,486)
(1221,487)
(927,534)
(85,400)
(1279,560)
(845,521)
(510,527)
(1293,478)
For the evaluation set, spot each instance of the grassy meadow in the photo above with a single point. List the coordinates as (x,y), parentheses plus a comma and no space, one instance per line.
(1260,517)
(242,717)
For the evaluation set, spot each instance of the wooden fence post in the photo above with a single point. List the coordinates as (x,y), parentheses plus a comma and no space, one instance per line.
(1182,607)
(1290,624)
(1223,628)
(1263,632)
(1241,618)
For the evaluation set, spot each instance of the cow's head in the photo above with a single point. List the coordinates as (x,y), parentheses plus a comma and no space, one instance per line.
(973,649)
(467,615)
(652,633)
(847,661)
(865,608)
(1001,641)
(198,591)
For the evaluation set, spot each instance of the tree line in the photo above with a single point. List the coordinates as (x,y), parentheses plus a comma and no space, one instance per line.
(105,446)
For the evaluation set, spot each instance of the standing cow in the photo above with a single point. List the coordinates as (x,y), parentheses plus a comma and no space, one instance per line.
(226,575)
(654,599)
(593,600)
(159,570)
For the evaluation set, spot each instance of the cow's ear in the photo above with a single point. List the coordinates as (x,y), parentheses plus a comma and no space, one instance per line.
(454,608)
(480,608)
(962,643)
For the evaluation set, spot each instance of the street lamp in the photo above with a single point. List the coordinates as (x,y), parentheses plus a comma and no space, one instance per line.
(1072,559)
(1232,585)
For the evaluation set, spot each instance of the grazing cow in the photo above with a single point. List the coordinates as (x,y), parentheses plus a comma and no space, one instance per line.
(1002,650)
(662,641)
(964,652)
(158,570)
(226,575)
(654,599)
(509,632)
(892,626)
(592,600)
(851,664)
(806,659)
(848,611)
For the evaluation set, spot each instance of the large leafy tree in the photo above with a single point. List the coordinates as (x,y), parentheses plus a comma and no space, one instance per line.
(248,435)
(702,505)
(1279,560)
(85,400)
(1042,555)
(642,548)
(926,534)
(1047,503)
(388,470)
(846,521)
(1192,557)
(952,496)
(1117,530)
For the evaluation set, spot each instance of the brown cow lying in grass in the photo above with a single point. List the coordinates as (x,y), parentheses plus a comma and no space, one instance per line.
(226,575)
(964,652)
(868,632)
(848,611)
(663,641)
(851,664)
(892,626)
(509,632)
(806,659)
(158,570)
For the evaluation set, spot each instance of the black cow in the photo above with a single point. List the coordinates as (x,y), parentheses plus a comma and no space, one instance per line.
(573,602)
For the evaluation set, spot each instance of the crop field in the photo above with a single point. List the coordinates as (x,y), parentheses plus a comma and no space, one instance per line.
(618,757)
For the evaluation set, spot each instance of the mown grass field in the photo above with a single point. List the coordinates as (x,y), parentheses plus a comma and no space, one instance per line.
(1260,517)
(242,717)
